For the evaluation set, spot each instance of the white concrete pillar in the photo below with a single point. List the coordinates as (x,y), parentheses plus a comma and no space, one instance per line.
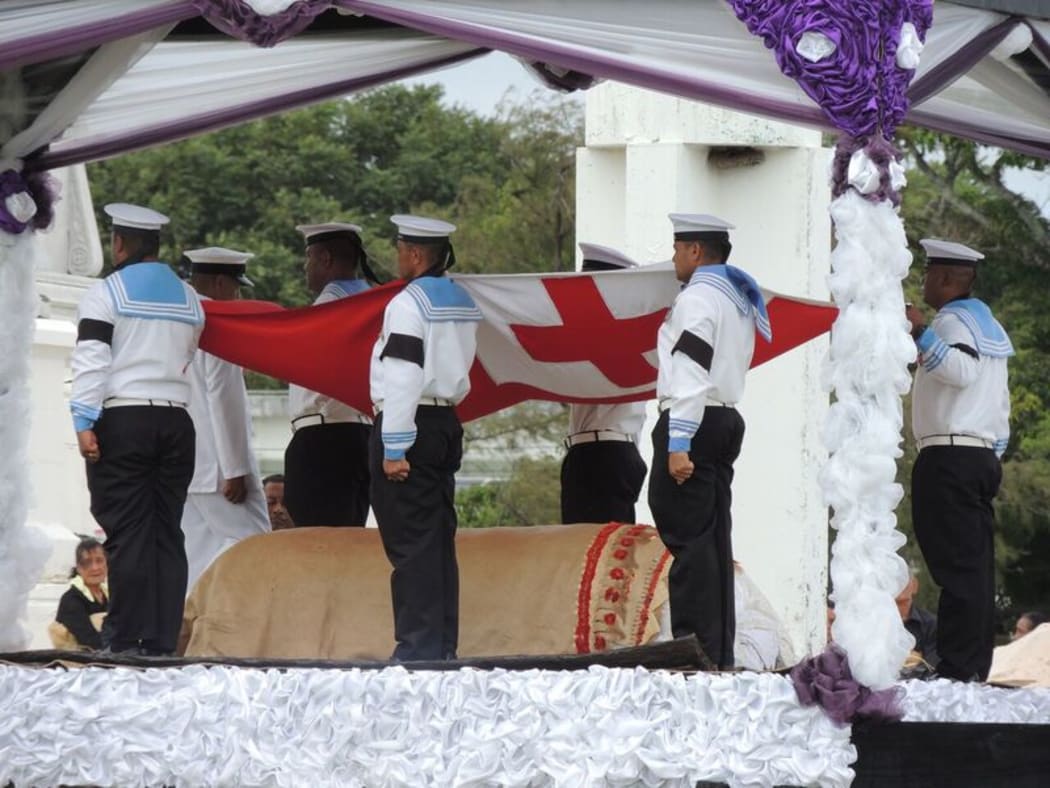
(59,497)
(648,155)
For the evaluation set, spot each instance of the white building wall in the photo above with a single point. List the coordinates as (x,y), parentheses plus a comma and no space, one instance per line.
(648,155)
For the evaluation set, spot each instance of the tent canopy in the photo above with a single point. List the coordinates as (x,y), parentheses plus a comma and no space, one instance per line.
(87,79)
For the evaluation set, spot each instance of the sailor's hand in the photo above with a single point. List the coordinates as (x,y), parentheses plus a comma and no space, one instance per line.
(679,465)
(916,319)
(235,490)
(396,470)
(87,441)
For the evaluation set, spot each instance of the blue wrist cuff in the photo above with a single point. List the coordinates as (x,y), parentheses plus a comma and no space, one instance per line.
(678,444)
(926,340)
(81,423)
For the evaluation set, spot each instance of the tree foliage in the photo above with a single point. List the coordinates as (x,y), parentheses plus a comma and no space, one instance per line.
(507,181)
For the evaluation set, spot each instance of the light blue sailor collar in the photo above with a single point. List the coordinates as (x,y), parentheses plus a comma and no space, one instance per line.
(441,299)
(346,287)
(150,290)
(742,290)
(989,337)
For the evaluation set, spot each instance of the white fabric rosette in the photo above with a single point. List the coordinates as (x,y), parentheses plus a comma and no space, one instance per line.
(909,48)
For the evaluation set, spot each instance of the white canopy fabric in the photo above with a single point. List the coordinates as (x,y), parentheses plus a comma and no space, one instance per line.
(979,75)
(173,92)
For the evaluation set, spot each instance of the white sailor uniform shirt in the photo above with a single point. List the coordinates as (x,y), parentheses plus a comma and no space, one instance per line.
(137,331)
(425,350)
(303,402)
(961,385)
(625,419)
(704,349)
(222,419)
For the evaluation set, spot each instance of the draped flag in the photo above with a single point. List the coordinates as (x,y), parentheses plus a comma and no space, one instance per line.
(560,337)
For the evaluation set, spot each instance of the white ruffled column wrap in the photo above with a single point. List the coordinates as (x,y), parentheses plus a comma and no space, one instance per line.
(23,550)
(867,370)
(229,726)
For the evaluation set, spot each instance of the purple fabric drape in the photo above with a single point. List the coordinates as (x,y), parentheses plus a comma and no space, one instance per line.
(222,118)
(965,58)
(70,40)
(826,681)
(590,62)
(238,19)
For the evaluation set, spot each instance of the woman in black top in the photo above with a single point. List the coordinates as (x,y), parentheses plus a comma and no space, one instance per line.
(87,595)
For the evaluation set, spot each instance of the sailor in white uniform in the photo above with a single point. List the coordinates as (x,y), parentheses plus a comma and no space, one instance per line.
(326,462)
(420,371)
(705,347)
(137,332)
(603,471)
(226,501)
(961,423)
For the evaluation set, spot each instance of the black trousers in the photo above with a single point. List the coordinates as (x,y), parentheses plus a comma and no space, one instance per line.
(600,482)
(417,522)
(138,489)
(695,524)
(952,489)
(326,475)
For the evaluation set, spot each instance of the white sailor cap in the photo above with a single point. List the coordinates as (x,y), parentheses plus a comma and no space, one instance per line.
(699,227)
(604,258)
(421,230)
(323,232)
(134,217)
(949,253)
(217,260)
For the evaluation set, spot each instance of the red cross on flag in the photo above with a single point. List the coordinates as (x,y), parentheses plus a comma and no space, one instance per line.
(558,337)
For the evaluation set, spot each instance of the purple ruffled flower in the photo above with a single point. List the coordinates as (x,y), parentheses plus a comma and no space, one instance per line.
(826,680)
(41,187)
(238,19)
(882,153)
(858,86)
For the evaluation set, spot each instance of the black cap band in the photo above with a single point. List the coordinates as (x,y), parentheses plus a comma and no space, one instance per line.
(423,239)
(218,268)
(328,235)
(601,265)
(951,261)
(141,232)
(702,235)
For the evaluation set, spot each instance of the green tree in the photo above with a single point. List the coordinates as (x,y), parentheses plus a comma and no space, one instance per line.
(505,180)
(958,189)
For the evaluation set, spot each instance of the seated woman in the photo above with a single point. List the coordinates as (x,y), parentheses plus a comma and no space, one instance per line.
(83,606)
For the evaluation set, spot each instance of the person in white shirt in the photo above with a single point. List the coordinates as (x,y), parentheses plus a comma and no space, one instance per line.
(603,471)
(326,462)
(225,502)
(704,347)
(137,332)
(961,424)
(420,371)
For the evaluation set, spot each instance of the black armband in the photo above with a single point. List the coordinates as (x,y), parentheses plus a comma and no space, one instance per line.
(405,347)
(696,348)
(98,330)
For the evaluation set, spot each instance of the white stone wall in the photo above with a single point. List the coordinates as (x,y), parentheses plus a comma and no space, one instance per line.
(647,155)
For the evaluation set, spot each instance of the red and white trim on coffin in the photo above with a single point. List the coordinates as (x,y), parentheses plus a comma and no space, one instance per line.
(616,560)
